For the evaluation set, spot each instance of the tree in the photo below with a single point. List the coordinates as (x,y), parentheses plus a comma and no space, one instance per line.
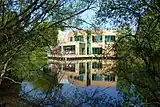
(26,28)
(137,46)
(28,25)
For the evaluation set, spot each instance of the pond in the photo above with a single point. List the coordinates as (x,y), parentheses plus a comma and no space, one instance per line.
(80,84)
(70,95)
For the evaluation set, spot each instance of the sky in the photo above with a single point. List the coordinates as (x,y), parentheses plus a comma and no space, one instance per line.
(89,16)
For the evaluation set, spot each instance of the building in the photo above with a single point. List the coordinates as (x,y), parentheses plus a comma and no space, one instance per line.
(81,55)
(85,72)
(85,44)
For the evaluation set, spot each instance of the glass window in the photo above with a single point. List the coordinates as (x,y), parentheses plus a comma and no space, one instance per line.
(97,65)
(113,38)
(79,38)
(76,38)
(97,77)
(97,38)
(97,51)
(106,77)
(71,39)
(109,38)
(88,66)
(81,67)
(88,39)
(69,49)
(110,78)
(71,76)
(69,67)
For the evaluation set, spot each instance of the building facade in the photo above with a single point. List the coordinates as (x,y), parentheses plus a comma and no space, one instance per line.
(82,43)
(85,72)
(81,55)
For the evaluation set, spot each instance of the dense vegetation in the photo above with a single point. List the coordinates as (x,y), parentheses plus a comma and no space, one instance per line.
(27,27)
(137,47)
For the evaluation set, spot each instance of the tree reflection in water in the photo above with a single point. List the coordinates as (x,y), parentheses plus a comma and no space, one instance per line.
(45,90)
(62,96)
(70,95)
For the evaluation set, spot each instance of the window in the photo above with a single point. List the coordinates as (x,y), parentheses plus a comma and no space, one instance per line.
(109,78)
(109,38)
(97,51)
(69,49)
(71,39)
(79,38)
(81,67)
(97,65)
(87,50)
(69,67)
(97,38)
(88,66)
(97,77)
(88,39)
(80,78)
(106,78)
(71,76)
(113,38)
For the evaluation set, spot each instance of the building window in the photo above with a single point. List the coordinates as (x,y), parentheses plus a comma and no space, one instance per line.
(82,67)
(88,66)
(71,76)
(97,77)
(97,38)
(69,49)
(96,65)
(71,39)
(87,50)
(79,38)
(69,67)
(97,51)
(80,78)
(109,78)
(88,39)
(109,38)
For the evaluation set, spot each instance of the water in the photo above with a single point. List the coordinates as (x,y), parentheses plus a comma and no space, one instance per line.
(74,95)
(80,84)
(83,84)
(87,72)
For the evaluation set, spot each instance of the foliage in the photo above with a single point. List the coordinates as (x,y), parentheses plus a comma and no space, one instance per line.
(44,81)
(137,46)
(26,64)
(28,26)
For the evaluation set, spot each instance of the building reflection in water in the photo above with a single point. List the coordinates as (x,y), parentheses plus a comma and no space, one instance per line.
(86,72)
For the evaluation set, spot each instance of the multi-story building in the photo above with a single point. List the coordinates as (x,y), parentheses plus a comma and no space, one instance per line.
(85,44)
(78,53)
(85,72)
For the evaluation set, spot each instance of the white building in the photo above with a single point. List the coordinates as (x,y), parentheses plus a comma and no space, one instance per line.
(85,72)
(85,44)
(88,47)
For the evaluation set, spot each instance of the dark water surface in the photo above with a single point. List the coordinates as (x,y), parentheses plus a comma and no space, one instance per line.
(74,95)
(83,84)
(80,84)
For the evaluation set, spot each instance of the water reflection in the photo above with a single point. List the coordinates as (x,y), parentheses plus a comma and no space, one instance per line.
(91,73)
(85,72)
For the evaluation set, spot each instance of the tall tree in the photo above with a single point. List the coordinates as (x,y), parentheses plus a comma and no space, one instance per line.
(26,28)
(138,63)
(26,25)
